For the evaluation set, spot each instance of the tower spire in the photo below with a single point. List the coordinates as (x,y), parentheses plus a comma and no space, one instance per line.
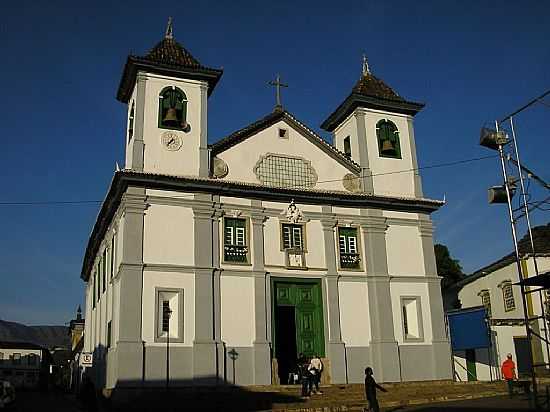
(169,30)
(366,69)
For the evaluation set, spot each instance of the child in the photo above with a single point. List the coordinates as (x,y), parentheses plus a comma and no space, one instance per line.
(370,390)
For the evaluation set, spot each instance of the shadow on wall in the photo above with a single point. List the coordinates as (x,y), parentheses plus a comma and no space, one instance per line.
(198,394)
(191,395)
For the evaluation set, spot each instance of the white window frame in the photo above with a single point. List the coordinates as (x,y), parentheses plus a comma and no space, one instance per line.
(510,302)
(175,296)
(405,302)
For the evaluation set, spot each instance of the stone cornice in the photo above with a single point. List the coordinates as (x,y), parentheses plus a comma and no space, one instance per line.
(118,195)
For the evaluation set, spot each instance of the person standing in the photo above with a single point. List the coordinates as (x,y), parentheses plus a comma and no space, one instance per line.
(508,370)
(303,364)
(316,368)
(370,390)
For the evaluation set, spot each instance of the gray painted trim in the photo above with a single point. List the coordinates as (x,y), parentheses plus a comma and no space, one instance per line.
(138,145)
(367,179)
(418,301)
(158,308)
(412,142)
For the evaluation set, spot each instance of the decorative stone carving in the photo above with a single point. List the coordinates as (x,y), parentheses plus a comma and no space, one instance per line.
(220,168)
(352,183)
(293,213)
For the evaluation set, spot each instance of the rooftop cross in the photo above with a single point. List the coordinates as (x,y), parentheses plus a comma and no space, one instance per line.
(366,69)
(169,30)
(277,83)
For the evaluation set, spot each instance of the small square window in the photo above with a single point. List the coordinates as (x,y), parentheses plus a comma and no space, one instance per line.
(283,133)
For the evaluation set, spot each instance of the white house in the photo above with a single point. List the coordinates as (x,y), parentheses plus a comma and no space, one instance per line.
(235,257)
(20,363)
(495,287)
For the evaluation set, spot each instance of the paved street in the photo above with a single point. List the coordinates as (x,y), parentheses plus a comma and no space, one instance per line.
(499,403)
(45,401)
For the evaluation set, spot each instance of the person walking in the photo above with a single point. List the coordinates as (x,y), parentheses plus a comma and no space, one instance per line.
(508,370)
(370,390)
(303,364)
(316,368)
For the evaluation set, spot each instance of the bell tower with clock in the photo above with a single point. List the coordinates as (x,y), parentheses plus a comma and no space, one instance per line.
(166,92)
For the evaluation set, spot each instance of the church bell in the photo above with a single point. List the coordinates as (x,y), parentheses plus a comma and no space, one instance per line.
(388,148)
(171,116)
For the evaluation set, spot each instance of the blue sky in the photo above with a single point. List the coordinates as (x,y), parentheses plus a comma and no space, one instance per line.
(62,129)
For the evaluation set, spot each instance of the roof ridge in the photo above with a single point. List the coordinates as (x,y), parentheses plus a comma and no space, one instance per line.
(247,131)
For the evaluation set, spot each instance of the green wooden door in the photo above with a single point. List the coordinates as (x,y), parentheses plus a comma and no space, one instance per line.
(306,297)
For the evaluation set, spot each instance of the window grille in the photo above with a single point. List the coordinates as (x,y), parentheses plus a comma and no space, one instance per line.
(486,301)
(508,297)
(235,248)
(285,171)
(349,252)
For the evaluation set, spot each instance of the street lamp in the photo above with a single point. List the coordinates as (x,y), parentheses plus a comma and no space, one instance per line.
(167,312)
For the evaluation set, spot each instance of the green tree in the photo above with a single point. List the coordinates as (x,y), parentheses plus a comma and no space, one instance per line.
(447,267)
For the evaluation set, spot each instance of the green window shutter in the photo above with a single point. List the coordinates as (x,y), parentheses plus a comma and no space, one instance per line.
(349,253)
(229,234)
(352,244)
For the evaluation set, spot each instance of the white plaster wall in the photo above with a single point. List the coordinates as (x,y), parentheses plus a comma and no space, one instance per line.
(88,318)
(348,128)
(168,235)
(385,180)
(404,250)
(237,309)
(186,160)
(272,243)
(408,289)
(116,311)
(169,194)
(171,280)
(354,313)
(315,256)
(242,158)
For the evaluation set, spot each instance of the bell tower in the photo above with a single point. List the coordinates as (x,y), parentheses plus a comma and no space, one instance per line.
(166,92)
(374,128)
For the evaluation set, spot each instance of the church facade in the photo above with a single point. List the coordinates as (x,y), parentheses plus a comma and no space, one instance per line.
(223,262)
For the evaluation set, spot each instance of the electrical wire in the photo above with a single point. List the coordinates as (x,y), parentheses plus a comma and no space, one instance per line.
(81,202)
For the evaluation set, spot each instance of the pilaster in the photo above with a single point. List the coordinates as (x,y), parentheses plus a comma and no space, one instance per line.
(416,176)
(129,345)
(262,353)
(383,345)
(441,346)
(138,145)
(367,181)
(336,347)
(204,155)
(205,354)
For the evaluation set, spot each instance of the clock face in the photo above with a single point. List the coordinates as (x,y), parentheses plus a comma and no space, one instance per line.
(171,141)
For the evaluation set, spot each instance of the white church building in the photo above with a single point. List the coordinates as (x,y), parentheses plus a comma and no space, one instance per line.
(235,257)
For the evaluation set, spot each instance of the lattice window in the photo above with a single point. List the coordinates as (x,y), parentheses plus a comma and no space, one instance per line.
(349,252)
(508,296)
(235,247)
(486,300)
(285,171)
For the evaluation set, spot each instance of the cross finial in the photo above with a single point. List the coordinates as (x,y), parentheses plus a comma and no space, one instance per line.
(277,83)
(366,69)
(169,30)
